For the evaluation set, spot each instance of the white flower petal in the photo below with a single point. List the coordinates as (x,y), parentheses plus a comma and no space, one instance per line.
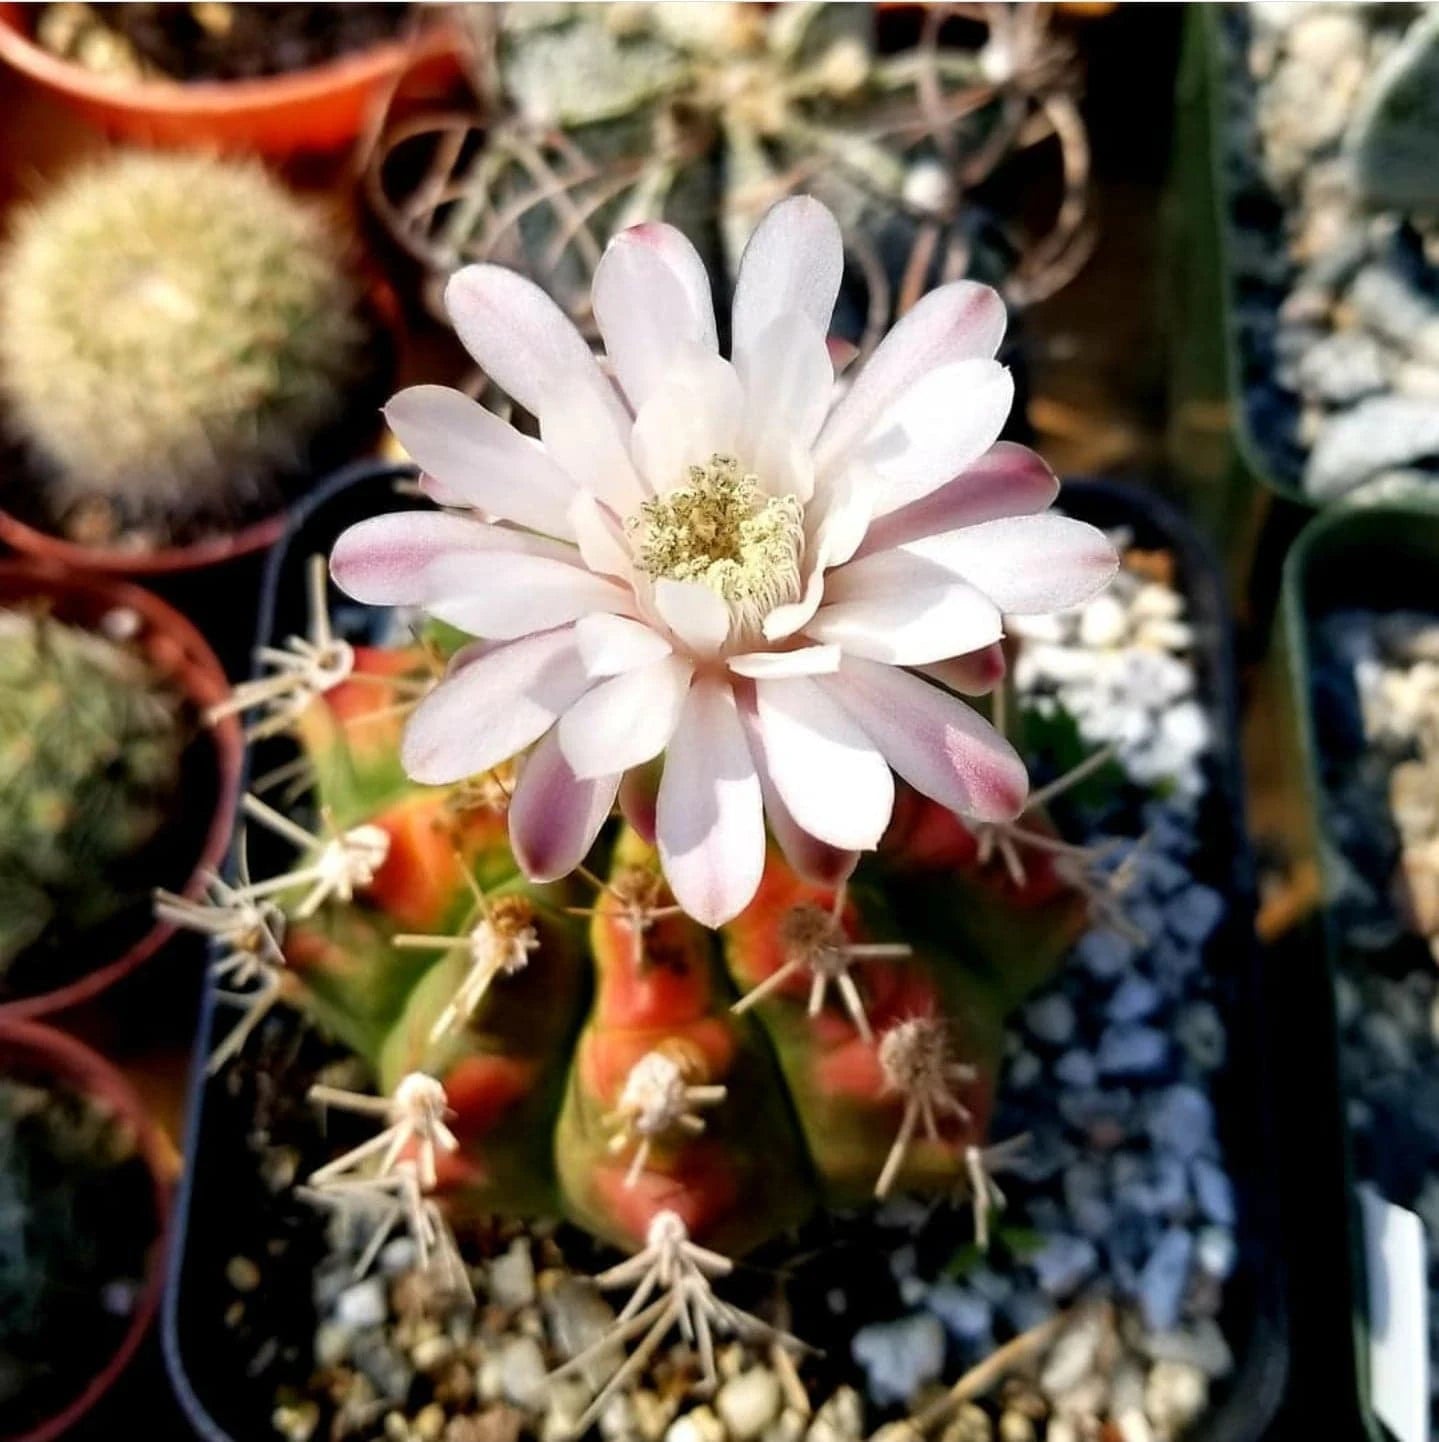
(794,262)
(941,425)
(514,595)
(833,781)
(415,558)
(709,817)
(1026,564)
(697,615)
(806,661)
(1008,480)
(626,720)
(941,746)
(523,341)
(555,817)
(959,321)
(651,295)
(612,644)
(694,414)
(588,437)
(904,610)
(473,454)
(492,706)
(600,537)
(812,859)
(788,381)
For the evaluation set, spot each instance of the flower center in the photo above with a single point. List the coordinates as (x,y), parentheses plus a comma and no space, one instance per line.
(723,531)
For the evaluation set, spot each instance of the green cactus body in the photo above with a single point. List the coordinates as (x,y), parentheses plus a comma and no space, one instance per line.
(545,1077)
(175,331)
(90,749)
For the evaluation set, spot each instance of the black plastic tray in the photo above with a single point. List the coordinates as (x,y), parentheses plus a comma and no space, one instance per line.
(1254,1318)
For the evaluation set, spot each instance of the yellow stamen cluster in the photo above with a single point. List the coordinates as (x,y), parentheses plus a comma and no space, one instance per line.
(723,531)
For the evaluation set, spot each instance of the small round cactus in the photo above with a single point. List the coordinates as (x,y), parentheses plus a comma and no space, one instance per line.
(175,331)
(90,749)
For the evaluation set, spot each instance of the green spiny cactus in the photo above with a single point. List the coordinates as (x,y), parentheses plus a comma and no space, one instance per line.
(175,331)
(89,755)
(604,1072)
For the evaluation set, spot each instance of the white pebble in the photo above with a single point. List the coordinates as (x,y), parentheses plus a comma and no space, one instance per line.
(362,1305)
(747,1404)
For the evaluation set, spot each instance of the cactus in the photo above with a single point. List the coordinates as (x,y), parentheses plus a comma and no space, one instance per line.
(89,756)
(175,332)
(1391,139)
(616,1060)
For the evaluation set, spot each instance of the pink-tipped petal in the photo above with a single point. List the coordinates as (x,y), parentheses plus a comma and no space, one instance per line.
(522,340)
(833,781)
(474,455)
(612,644)
(794,262)
(806,661)
(904,610)
(627,720)
(697,615)
(554,816)
(491,705)
(414,558)
(974,675)
(812,859)
(1027,564)
(651,296)
(941,425)
(639,796)
(1008,480)
(709,816)
(960,321)
(942,747)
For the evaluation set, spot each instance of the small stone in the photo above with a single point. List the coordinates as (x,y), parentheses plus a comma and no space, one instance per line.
(747,1404)
(1024,1070)
(789,1426)
(700,1424)
(1174,1396)
(1181,1121)
(970,1424)
(512,1276)
(1077,1069)
(1200,1344)
(1064,1264)
(1104,953)
(1165,1275)
(332,1343)
(1216,1252)
(398,1257)
(1103,622)
(430,1423)
(1051,1018)
(1194,913)
(1135,999)
(900,1357)
(1381,433)
(430,1354)
(1016,1427)
(362,1305)
(840,1419)
(1342,368)
(242,1274)
(1199,1030)
(1133,1051)
(968,1317)
(1214,1191)
(387,1368)
(297,1423)
(522,1372)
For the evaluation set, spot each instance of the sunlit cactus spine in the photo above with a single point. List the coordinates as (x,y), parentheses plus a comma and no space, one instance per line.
(90,749)
(175,332)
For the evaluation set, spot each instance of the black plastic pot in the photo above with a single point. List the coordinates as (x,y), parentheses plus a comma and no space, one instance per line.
(1375,558)
(207,1373)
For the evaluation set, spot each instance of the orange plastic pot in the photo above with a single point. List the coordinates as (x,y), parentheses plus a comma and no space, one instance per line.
(49,1055)
(180,655)
(319,109)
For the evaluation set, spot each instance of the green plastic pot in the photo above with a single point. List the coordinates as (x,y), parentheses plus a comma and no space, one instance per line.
(1375,557)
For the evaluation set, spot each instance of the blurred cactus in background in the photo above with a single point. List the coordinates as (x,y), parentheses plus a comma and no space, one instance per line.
(175,331)
(90,748)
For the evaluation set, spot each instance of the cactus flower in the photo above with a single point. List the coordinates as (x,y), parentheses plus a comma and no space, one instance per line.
(772,581)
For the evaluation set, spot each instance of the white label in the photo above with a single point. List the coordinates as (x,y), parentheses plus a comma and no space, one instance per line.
(1398,1276)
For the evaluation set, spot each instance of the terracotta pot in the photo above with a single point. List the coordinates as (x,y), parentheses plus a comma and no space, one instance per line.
(53,1055)
(382,308)
(322,108)
(179,653)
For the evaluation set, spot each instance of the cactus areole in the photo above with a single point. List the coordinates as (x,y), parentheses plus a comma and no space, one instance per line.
(714,595)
